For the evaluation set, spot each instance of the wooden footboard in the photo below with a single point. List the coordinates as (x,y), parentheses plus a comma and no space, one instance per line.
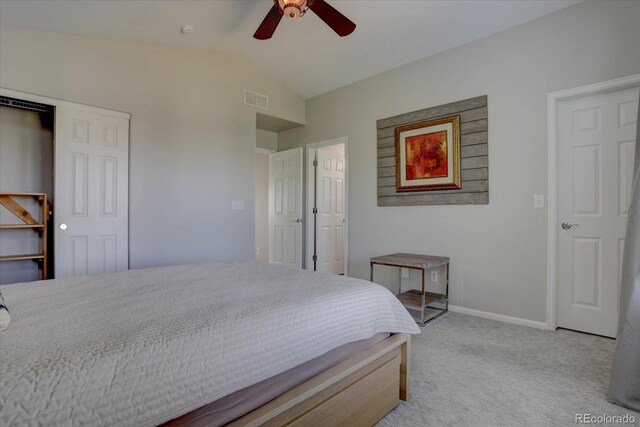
(357,392)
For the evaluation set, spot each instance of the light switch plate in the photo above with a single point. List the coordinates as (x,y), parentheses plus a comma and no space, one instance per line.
(405,273)
(538,201)
(237,205)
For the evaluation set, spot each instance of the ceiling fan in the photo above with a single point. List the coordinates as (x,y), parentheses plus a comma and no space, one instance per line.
(295,9)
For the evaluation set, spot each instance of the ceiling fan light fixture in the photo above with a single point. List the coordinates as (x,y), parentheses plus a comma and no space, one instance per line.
(292,9)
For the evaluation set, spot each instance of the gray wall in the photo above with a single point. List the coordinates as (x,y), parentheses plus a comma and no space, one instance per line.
(26,166)
(193,139)
(498,251)
(266,139)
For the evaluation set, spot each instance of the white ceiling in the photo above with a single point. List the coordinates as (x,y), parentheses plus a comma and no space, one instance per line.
(304,54)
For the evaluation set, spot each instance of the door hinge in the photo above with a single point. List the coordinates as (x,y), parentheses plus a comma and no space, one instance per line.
(315,163)
(315,258)
(315,210)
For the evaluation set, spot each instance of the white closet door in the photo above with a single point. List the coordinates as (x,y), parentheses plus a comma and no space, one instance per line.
(91,192)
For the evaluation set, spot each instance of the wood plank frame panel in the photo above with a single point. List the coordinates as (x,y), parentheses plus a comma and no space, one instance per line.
(474,156)
(357,392)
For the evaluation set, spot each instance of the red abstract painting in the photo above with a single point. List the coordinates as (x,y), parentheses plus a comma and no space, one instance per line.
(426,155)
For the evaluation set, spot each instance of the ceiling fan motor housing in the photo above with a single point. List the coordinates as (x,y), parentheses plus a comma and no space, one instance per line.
(292,8)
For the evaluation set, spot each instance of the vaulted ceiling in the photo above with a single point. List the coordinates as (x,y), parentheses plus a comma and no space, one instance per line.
(304,54)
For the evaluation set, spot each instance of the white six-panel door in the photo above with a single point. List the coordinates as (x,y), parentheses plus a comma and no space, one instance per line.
(285,207)
(330,212)
(91,192)
(596,141)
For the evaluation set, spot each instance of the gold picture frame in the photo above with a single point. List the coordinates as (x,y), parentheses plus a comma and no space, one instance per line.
(428,155)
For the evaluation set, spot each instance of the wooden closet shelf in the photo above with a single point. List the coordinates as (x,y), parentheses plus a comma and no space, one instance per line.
(16,226)
(21,257)
(28,222)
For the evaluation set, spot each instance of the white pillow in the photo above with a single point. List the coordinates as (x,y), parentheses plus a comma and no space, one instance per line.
(5,318)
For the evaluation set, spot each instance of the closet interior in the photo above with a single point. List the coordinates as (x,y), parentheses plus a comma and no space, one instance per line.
(26,190)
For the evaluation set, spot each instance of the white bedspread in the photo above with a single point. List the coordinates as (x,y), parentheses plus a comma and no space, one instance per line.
(142,347)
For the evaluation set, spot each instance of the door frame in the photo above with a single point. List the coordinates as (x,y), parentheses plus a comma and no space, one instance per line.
(553,99)
(309,153)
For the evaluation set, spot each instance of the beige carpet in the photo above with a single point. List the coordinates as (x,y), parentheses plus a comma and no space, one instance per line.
(468,371)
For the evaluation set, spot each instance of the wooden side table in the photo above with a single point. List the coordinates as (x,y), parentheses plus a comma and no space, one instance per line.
(414,299)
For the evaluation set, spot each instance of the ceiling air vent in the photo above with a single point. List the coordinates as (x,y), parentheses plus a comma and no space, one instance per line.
(256,100)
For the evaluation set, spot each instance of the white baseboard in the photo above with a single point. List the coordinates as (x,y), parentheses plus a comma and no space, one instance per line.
(500,317)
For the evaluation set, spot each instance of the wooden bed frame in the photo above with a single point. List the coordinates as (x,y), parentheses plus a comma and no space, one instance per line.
(357,392)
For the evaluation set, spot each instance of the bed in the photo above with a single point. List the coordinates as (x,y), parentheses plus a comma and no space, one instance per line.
(168,345)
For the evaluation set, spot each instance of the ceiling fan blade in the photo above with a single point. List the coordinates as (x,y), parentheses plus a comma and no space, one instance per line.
(337,21)
(269,24)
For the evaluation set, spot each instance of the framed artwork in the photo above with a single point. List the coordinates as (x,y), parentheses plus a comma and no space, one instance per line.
(428,155)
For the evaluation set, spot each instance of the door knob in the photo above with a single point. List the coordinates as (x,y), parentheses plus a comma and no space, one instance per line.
(568,225)
(297,220)
(63,226)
